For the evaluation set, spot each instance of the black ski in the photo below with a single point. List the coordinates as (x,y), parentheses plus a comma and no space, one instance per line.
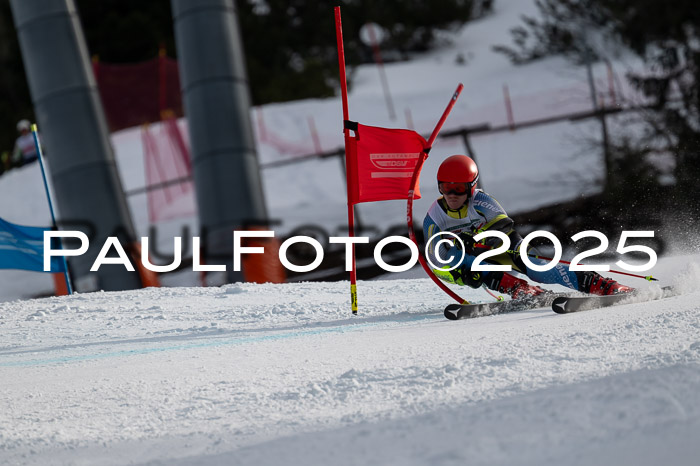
(469,311)
(569,304)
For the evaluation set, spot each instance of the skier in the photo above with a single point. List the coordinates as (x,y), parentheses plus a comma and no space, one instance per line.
(24,151)
(466,211)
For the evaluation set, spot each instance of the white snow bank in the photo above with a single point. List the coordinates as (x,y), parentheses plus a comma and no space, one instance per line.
(260,374)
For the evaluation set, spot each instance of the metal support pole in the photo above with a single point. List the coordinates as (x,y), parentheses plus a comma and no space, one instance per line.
(81,161)
(217,104)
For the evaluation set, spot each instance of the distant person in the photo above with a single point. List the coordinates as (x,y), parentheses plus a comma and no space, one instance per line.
(466,211)
(25,150)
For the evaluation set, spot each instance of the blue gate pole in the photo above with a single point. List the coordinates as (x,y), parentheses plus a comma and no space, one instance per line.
(35,133)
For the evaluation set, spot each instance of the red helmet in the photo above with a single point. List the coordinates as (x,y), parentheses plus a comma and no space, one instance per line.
(458,169)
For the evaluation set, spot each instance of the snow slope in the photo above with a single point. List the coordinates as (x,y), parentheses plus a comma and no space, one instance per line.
(272,374)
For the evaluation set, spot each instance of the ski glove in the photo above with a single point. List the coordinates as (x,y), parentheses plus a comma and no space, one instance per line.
(464,276)
(466,241)
(470,246)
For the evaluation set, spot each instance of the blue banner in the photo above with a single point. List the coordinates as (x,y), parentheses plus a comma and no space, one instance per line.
(23,248)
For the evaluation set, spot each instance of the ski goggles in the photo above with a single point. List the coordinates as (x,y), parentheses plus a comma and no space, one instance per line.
(459,189)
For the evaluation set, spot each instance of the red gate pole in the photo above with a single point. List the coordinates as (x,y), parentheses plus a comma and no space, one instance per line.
(411,193)
(346,133)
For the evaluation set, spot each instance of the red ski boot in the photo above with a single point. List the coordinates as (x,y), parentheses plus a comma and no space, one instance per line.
(515,287)
(594,283)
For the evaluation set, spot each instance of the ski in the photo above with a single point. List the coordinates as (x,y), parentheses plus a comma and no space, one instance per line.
(569,304)
(470,311)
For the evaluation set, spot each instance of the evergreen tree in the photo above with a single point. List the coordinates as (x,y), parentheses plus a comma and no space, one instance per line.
(291,47)
(666,36)
(15,103)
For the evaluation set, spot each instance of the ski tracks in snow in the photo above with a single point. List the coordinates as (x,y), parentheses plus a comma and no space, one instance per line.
(199,373)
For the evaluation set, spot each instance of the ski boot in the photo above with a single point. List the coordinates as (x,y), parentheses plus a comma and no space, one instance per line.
(594,283)
(517,288)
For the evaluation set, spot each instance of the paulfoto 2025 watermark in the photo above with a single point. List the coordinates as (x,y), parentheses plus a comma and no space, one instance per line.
(122,258)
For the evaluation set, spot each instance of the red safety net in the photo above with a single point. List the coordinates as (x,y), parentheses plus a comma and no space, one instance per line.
(168,172)
(137,93)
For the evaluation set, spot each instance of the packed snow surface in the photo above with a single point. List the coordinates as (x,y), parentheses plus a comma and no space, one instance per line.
(283,374)
(268,374)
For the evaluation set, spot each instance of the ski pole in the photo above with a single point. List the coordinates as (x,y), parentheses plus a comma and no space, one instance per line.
(493,295)
(648,277)
(40,156)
